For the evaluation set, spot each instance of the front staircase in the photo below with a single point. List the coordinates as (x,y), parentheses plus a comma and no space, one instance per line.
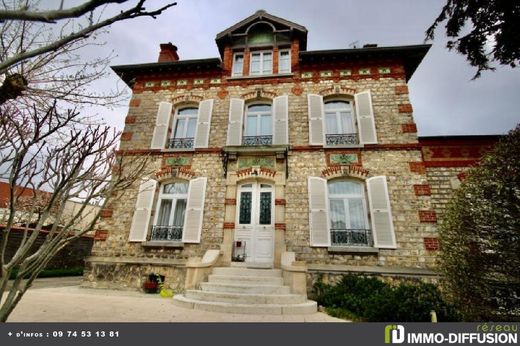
(246,291)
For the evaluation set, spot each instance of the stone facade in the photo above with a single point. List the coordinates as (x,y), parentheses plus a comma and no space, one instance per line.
(416,189)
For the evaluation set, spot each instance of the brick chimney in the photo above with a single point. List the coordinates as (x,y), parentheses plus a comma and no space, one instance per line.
(168,53)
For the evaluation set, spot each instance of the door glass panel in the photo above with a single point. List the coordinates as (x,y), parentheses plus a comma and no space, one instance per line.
(346,119)
(245,208)
(164,212)
(266,125)
(251,125)
(337,214)
(331,124)
(180,209)
(192,125)
(179,128)
(265,208)
(356,213)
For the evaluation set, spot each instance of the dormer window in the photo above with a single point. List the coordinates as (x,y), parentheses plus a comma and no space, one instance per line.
(284,61)
(238,64)
(261,63)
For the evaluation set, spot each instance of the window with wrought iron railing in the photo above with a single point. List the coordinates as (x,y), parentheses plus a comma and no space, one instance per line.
(168,225)
(348,214)
(185,124)
(258,127)
(340,126)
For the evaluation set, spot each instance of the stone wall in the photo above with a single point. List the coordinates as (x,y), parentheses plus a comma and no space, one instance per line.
(72,256)
(443,180)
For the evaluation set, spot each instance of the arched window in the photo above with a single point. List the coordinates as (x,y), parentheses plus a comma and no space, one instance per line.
(348,213)
(184,127)
(340,124)
(258,126)
(170,211)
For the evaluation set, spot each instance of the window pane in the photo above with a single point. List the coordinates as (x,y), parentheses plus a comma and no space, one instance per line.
(259,108)
(346,122)
(284,63)
(337,214)
(342,187)
(188,111)
(192,125)
(180,209)
(165,210)
(179,128)
(251,128)
(268,63)
(238,64)
(337,105)
(266,125)
(356,213)
(245,208)
(265,208)
(331,123)
(255,63)
(176,188)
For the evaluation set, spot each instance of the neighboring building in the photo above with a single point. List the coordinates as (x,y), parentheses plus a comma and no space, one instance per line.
(29,204)
(272,148)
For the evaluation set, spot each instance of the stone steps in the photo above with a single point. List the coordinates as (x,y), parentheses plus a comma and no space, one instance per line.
(308,307)
(229,279)
(245,298)
(242,290)
(231,271)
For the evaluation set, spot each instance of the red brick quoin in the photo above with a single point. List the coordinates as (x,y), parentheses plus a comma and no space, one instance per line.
(405,108)
(431,244)
(428,216)
(401,89)
(126,136)
(409,128)
(422,190)
(130,119)
(106,213)
(417,167)
(135,102)
(229,225)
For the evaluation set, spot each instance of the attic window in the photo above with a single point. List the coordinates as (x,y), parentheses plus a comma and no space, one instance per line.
(260,34)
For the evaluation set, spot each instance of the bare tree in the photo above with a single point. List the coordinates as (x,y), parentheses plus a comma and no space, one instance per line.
(72,161)
(40,50)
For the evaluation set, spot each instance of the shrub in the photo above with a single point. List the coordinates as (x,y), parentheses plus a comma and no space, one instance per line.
(370,299)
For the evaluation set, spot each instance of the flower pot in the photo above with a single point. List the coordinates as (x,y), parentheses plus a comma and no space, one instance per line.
(150,287)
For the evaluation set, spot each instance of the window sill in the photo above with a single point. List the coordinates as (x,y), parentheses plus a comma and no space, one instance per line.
(354,250)
(261,76)
(166,244)
(176,150)
(343,146)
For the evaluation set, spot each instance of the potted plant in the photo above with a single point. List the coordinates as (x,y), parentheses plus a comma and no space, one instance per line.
(151,285)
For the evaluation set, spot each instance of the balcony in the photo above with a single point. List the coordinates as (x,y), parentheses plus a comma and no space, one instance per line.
(180,143)
(341,139)
(166,233)
(351,237)
(257,140)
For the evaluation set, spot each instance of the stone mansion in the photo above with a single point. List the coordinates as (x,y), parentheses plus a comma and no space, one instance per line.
(273,152)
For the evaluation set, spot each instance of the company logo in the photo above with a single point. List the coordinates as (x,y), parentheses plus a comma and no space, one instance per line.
(394,334)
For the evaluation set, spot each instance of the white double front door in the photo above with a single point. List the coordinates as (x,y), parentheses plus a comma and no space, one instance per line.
(255,221)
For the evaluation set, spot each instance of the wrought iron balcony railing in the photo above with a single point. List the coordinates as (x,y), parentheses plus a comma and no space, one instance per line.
(180,143)
(351,237)
(342,139)
(257,140)
(166,233)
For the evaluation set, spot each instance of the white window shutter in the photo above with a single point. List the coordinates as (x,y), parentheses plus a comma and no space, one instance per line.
(143,209)
(162,123)
(381,213)
(281,120)
(316,128)
(194,211)
(365,118)
(203,124)
(236,117)
(319,212)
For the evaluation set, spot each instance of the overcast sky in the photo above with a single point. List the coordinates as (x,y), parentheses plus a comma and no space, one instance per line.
(445,99)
